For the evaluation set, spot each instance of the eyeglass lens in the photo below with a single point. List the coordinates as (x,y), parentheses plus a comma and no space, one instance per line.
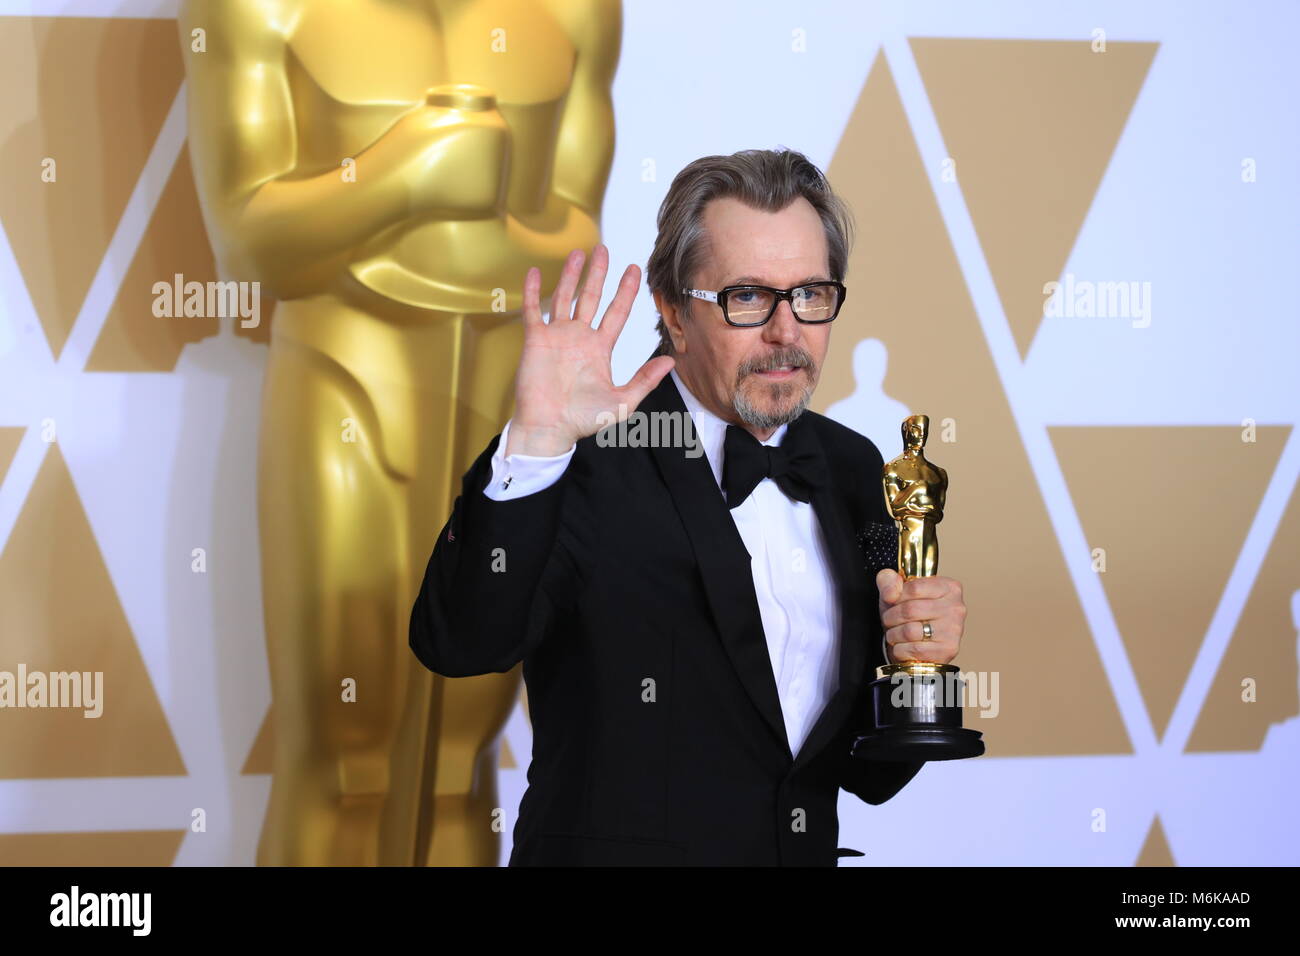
(814,303)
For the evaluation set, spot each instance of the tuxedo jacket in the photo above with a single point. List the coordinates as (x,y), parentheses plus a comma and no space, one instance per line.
(626,591)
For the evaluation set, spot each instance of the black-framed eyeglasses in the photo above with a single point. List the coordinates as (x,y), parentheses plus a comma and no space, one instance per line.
(745,306)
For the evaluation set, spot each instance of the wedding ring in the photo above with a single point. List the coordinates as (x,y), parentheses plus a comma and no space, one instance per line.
(925,629)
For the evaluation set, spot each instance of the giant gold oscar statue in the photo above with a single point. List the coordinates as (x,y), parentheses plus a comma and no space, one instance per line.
(388,170)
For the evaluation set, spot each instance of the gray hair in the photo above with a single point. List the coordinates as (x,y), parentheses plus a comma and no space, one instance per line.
(766,179)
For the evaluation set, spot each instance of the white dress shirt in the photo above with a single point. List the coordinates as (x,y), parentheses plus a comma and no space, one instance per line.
(797,597)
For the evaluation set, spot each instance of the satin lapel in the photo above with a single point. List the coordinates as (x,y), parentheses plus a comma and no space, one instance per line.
(724,563)
(845,558)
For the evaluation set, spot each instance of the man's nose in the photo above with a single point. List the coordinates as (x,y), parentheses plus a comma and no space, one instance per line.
(782,328)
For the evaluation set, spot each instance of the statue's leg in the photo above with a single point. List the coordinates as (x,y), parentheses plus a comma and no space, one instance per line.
(929,549)
(347,529)
(470,713)
(333,548)
(911,548)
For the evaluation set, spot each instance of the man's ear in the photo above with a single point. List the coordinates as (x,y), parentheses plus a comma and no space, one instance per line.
(672,317)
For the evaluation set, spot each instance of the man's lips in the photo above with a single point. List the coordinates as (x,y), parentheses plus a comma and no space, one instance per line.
(782,372)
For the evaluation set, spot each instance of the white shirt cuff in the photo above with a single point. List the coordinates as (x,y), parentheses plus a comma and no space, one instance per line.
(517,475)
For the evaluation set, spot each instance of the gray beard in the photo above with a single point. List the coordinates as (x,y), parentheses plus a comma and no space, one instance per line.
(760,419)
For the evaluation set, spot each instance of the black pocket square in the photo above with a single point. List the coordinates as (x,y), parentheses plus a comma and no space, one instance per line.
(878,541)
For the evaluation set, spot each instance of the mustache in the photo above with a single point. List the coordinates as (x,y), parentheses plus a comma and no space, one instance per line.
(795,357)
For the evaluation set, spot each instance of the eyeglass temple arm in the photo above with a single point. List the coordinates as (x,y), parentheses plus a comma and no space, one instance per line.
(701,294)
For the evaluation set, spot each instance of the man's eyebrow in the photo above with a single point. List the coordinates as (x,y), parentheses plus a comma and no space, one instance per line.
(755,280)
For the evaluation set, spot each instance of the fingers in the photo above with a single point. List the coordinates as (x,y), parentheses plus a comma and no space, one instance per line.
(562,301)
(921,610)
(889,583)
(532,297)
(646,378)
(594,285)
(893,588)
(615,317)
(907,642)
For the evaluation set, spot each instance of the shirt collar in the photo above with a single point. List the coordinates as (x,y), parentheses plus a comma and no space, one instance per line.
(712,430)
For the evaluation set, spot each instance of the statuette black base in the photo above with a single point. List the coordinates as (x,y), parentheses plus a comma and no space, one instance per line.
(920,743)
(917,715)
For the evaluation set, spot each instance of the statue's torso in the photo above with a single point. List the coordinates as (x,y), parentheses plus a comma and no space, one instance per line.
(923,482)
(345,97)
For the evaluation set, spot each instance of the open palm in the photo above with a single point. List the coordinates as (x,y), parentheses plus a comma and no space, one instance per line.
(565,389)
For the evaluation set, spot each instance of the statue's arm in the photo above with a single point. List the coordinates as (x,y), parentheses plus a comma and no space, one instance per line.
(292,232)
(894,488)
(902,493)
(940,494)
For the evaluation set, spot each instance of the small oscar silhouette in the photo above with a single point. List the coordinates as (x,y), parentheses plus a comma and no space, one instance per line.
(916,705)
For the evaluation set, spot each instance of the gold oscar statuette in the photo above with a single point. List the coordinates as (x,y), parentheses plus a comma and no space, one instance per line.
(916,705)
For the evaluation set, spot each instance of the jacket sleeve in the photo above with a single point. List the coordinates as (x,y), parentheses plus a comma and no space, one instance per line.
(489,594)
(875,781)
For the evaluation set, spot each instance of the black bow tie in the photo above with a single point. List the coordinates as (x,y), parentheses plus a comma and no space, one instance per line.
(796,465)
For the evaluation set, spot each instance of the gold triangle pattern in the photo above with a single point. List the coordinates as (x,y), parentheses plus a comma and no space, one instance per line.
(111,848)
(90,94)
(1155,849)
(912,296)
(133,339)
(1031,126)
(1152,499)
(1263,648)
(79,627)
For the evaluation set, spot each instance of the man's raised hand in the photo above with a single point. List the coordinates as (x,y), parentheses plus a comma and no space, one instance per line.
(564,390)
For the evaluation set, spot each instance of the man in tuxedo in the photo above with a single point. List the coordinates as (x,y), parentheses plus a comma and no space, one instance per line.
(696,631)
